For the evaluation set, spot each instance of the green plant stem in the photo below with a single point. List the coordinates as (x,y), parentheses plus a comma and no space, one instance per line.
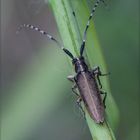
(71,30)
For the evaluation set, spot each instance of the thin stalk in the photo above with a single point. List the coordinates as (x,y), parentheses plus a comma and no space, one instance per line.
(71,30)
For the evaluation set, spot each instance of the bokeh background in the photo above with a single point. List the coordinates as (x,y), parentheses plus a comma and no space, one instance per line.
(37,101)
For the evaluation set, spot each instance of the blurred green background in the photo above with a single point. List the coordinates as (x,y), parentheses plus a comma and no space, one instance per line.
(37,100)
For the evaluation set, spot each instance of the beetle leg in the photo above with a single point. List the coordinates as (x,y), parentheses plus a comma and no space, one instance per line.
(99,81)
(105,95)
(96,71)
(79,105)
(74,89)
(71,78)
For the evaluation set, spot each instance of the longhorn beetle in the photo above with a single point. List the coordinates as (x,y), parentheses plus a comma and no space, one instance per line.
(85,80)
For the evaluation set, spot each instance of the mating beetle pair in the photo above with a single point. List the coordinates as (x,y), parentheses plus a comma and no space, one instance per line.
(85,80)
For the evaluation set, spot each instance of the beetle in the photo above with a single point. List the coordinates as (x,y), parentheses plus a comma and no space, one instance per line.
(87,81)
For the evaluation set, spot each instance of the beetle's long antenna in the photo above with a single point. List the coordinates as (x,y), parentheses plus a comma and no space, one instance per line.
(48,36)
(87,26)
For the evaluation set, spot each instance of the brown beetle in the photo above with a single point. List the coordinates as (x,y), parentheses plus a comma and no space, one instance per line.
(85,80)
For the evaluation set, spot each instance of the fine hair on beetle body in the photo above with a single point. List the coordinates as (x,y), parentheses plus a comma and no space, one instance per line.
(85,80)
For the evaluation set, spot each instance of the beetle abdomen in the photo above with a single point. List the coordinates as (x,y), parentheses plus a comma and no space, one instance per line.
(90,94)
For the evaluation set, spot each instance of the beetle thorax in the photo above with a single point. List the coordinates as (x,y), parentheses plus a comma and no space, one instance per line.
(80,65)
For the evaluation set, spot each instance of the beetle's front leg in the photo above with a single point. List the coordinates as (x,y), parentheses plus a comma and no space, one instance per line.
(96,71)
(71,78)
